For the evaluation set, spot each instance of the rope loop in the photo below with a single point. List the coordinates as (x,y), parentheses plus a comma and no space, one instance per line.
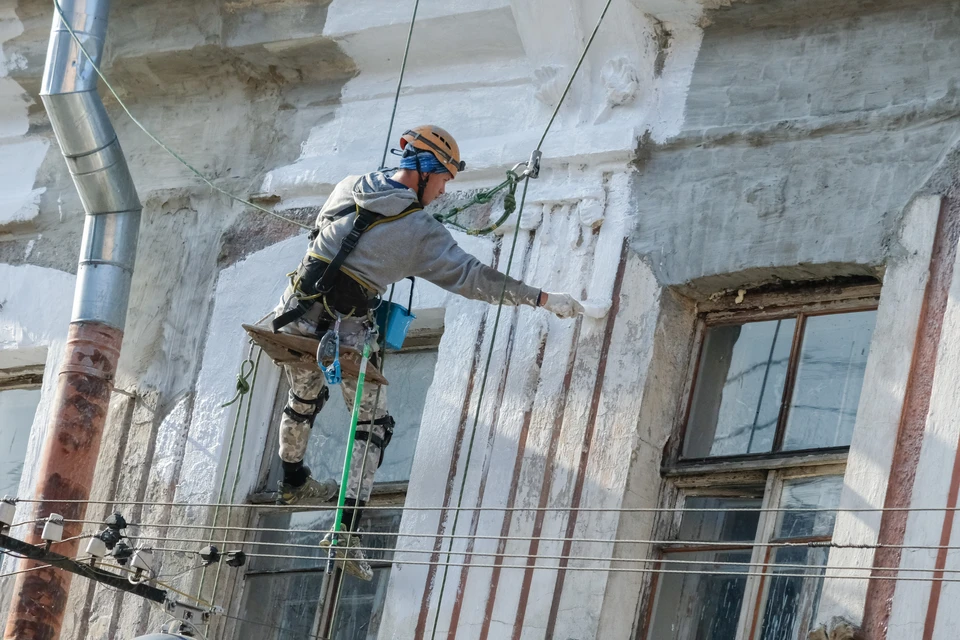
(243,386)
(484,197)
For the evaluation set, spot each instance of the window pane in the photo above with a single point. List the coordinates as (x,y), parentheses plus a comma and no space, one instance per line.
(290,598)
(410,375)
(720,526)
(17,408)
(809,493)
(287,601)
(833,359)
(739,389)
(292,602)
(317,523)
(695,606)
(793,592)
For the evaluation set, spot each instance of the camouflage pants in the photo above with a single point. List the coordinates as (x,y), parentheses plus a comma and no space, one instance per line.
(307,384)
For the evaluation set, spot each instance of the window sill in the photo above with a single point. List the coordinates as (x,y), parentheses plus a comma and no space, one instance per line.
(385,494)
(749,463)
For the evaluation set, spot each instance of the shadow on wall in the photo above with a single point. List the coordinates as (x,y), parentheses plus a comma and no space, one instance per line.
(806,136)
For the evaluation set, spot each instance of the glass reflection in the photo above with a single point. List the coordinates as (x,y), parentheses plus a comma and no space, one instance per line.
(739,389)
(833,360)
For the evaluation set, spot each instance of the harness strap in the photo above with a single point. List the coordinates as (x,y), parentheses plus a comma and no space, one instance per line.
(319,401)
(388,423)
(296,416)
(292,315)
(364,220)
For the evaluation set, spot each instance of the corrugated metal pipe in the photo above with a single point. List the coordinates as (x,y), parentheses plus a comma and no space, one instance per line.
(107,252)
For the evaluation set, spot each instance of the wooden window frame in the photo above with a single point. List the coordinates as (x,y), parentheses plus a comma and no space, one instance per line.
(755,592)
(814,302)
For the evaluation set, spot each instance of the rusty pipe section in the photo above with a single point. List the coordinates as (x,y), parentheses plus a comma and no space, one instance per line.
(67,466)
(107,253)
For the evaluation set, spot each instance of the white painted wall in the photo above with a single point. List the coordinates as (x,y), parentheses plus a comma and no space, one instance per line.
(20,155)
(878,416)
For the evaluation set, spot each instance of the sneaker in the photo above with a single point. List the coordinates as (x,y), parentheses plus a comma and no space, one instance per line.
(310,492)
(348,549)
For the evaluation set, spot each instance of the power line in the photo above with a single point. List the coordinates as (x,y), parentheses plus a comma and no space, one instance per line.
(669,545)
(676,510)
(529,556)
(776,574)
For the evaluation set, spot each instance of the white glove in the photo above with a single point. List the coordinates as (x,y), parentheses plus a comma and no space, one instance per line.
(562,304)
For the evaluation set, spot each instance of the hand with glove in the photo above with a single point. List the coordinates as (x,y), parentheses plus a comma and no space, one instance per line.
(562,304)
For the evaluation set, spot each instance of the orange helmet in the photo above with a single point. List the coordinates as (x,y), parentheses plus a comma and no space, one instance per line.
(438,142)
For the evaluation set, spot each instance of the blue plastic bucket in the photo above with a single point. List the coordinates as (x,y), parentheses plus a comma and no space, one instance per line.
(394,321)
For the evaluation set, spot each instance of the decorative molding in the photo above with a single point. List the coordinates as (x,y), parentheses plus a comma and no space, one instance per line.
(549,83)
(621,81)
(591,212)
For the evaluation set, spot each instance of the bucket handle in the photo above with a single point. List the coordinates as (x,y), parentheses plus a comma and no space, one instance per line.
(410,303)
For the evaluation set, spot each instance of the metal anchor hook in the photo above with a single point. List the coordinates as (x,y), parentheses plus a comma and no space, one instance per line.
(530,168)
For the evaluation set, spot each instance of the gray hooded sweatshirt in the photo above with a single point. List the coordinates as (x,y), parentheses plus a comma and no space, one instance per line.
(414,244)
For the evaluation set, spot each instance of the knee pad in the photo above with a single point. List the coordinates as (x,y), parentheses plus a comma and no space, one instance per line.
(317,403)
(388,423)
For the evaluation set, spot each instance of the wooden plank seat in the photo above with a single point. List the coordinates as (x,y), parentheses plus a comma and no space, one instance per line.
(301,351)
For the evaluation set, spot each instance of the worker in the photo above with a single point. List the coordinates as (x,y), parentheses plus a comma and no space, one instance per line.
(372,232)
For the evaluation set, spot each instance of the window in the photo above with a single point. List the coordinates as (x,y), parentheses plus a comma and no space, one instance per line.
(778,385)
(757,472)
(291,594)
(19,397)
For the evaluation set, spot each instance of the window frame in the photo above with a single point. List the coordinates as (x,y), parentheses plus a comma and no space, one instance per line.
(732,484)
(29,377)
(771,306)
(713,476)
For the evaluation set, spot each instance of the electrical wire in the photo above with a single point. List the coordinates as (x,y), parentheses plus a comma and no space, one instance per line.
(639,570)
(16,573)
(676,510)
(155,139)
(667,545)
(195,628)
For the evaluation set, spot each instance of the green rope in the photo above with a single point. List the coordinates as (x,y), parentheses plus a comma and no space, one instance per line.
(159,142)
(243,387)
(483,197)
(366,450)
(351,436)
(236,473)
(496,324)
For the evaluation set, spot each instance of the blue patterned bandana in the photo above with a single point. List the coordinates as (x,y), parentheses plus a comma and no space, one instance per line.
(428,163)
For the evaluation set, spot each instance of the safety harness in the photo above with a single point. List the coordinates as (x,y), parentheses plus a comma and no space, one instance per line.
(388,424)
(316,279)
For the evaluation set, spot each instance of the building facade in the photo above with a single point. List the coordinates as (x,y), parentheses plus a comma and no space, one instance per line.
(754,440)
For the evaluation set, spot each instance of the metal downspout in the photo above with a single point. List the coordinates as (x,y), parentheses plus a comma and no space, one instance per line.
(107,252)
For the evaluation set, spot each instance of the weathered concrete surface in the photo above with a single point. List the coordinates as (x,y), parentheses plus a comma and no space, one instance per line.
(809,127)
(881,403)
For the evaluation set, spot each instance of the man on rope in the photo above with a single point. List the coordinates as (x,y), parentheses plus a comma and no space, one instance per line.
(343,276)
